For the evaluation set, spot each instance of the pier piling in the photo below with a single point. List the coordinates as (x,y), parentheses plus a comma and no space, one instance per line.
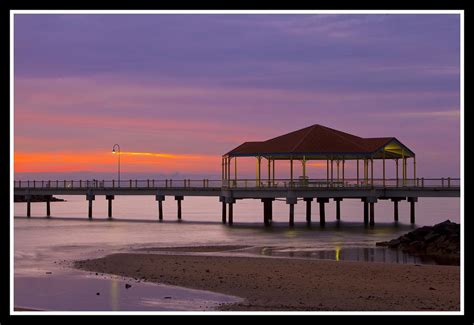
(267,211)
(338,208)
(224,212)
(90,198)
(179,198)
(308,201)
(109,198)
(48,205)
(322,211)
(160,199)
(28,205)
(412,201)
(291,201)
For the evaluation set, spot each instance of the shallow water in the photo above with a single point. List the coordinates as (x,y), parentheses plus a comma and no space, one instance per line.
(41,245)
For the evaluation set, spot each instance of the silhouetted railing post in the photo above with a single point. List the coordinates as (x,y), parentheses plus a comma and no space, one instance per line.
(449,181)
(442,182)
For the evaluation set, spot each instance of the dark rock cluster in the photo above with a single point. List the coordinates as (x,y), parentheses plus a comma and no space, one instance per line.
(440,242)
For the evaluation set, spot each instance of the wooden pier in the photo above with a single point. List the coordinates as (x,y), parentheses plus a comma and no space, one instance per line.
(229,192)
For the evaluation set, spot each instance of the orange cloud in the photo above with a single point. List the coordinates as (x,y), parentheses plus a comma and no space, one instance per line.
(106,162)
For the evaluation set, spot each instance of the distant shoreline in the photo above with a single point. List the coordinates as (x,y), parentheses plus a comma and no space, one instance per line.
(37,198)
(274,284)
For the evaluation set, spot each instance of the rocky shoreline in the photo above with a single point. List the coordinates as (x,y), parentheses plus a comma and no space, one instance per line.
(37,198)
(440,242)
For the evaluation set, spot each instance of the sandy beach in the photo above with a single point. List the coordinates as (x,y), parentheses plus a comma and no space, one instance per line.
(281,284)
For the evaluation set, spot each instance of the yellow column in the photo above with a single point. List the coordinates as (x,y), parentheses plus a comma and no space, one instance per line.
(403,168)
(396,171)
(383,167)
(414,169)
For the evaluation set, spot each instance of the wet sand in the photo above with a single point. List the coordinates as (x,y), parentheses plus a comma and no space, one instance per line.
(283,284)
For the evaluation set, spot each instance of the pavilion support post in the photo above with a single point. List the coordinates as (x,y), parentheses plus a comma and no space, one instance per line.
(357,172)
(383,168)
(414,169)
(179,198)
(304,168)
(259,160)
(338,207)
(322,212)
(48,206)
(229,162)
(222,169)
(366,171)
(337,170)
(160,199)
(109,198)
(291,201)
(327,171)
(396,170)
(372,172)
(273,172)
(269,162)
(308,201)
(412,201)
(403,168)
(235,170)
(291,171)
(267,211)
(343,161)
(332,171)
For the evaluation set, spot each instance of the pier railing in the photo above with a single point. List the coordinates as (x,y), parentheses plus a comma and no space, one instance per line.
(241,183)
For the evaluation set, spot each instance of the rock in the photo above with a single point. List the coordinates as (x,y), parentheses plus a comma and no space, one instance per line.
(127,285)
(441,241)
(98,293)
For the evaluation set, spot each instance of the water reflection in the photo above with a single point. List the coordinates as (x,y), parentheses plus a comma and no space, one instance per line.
(363,254)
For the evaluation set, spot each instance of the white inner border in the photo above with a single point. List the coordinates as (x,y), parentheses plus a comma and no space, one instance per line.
(250,12)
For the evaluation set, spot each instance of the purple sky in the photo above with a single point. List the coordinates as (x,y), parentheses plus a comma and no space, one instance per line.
(203,84)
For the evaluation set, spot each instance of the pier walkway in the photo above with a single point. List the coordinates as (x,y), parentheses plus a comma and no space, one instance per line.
(229,191)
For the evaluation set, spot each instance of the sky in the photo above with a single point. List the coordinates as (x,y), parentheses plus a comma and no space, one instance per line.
(185,89)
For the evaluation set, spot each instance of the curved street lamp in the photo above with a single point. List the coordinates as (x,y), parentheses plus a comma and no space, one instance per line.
(113,151)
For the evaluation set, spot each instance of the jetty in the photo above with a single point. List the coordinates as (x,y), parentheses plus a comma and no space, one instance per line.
(333,148)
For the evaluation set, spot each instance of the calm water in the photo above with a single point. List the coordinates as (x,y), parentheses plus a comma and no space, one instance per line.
(42,244)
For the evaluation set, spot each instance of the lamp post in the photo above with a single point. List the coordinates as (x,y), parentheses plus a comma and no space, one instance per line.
(113,151)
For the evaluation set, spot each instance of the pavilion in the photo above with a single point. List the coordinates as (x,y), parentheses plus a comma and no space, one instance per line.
(318,142)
